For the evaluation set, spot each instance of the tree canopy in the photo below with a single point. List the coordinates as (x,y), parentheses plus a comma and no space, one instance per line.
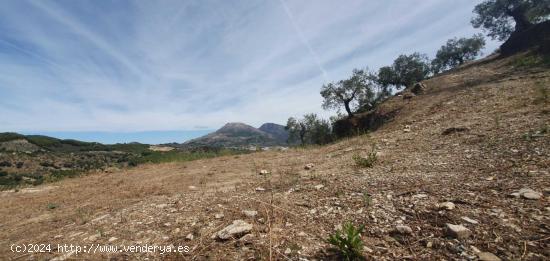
(496,17)
(405,71)
(352,93)
(457,51)
(309,130)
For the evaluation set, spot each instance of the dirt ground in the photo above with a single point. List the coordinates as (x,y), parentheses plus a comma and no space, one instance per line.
(474,137)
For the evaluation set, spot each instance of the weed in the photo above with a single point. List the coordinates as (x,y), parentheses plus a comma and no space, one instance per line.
(367,199)
(52,206)
(366,162)
(348,242)
(542,94)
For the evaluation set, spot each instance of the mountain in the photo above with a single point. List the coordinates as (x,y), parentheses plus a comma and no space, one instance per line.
(236,134)
(277,131)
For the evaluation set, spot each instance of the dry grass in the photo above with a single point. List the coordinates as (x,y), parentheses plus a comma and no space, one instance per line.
(475,169)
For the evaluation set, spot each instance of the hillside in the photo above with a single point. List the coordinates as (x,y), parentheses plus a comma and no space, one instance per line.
(460,153)
(241,135)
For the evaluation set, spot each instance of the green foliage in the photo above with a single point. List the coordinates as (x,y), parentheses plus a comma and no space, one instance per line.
(497,17)
(366,162)
(52,206)
(367,199)
(309,130)
(179,156)
(531,60)
(348,242)
(352,93)
(57,175)
(456,52)
(405,71)
(9,136)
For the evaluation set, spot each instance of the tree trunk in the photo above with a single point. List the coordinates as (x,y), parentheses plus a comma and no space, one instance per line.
(348,110)
(302,133)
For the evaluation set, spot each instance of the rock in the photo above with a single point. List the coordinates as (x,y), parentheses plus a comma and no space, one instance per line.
(320,186)
(112,239)
(259,189)
(418,88)
(219,216)
(531,195)
(486,256)
(250,213)
(309,166)
(528,193)
(446,205)
(367,249)
(237,229)
(429,244)
(469,220)
(247,238)
(458,231)
(176,231)
(406,230)
(190,236)
(192,187)
(288,251)
(263,172)
(407,128)
(302,234)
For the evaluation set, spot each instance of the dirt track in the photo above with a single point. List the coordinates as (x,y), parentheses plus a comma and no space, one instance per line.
(498,152)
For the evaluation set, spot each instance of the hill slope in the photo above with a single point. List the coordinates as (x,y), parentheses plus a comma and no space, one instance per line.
(476,136)
(240,135)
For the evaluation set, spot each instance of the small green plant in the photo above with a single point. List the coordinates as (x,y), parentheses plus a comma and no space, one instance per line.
(52,206)
(542,94)
(367,199)
(348,242)
(365,162)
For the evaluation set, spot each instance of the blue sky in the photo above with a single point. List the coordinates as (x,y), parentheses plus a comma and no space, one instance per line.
(99,68)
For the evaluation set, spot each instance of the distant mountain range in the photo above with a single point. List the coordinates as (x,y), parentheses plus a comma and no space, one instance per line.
(238,134)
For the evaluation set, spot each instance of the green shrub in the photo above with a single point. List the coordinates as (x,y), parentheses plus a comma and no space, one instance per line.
(52,206)
(348,242)
(365,162)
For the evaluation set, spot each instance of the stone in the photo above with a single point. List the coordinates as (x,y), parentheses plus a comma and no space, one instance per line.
(447,205)
(320,186)
(176,231)
(259,189)
(237,229)
(531,195)
(486,256)
(309,166)
(429,244)
(406,230)
(190,236)
(192,187)
(250,213)
(288,251)
(469,220)
(219,216)
(458,231)
(263,172)
(302,234)
(528,193)
(418,88)
(112,239)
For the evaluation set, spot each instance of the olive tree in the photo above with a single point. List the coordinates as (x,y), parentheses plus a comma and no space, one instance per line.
(457,51)
(352,93)
(406,70)
(500,18)
(309,130)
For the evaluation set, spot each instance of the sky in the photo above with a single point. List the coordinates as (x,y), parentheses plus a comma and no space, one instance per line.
(120,71)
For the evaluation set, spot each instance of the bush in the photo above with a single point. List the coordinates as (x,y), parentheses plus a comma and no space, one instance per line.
(348,242)
(365,162)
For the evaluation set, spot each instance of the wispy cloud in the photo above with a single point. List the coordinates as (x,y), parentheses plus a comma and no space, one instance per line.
(175,65)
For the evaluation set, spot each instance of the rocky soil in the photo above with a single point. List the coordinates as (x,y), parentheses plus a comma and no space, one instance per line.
(462,174)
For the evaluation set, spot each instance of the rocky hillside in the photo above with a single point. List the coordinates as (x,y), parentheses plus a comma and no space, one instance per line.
(461,173)
(278,132)
(241,135)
